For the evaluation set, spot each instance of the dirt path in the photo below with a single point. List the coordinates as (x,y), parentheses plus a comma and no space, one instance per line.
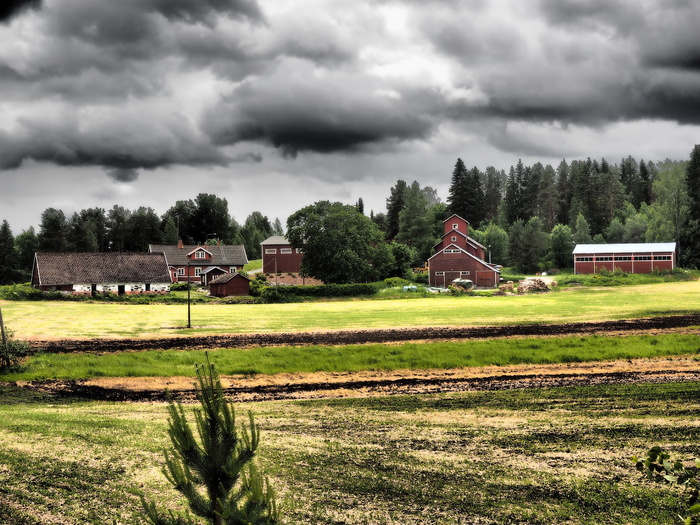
(406,382)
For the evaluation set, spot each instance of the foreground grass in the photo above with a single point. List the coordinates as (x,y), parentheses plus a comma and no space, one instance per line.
(530,456)
(39,320)
(274,360)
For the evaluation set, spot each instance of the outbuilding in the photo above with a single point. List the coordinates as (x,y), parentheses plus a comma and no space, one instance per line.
(278,256)
(628,257)
(230,284)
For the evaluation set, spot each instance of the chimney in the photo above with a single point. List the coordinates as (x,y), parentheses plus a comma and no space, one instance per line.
(180,244)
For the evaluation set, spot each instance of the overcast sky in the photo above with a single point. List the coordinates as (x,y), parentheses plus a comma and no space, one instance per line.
(274,104)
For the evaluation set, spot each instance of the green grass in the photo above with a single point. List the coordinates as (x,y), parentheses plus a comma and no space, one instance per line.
(438,355)
(537,456)
(30,319)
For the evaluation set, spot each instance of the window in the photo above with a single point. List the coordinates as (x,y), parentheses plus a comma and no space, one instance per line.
(604,259)
(463,273)
(454,238)
(452,250)
(643,258)
(622,258)
(584,259)
(455,226)
(285,250)
(181,271)
(270,251)
(197,271)
(662,257)
(439,273)
(200,255)
(232,269)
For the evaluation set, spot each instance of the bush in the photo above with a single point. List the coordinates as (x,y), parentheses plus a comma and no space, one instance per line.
(277,293)
(180,287)
(12,352)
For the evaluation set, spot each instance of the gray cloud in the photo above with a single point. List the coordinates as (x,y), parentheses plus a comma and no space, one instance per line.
(123,174)
(12,8)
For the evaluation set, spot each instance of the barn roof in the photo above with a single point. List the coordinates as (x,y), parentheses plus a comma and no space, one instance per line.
(228,277)
(51,269)
(275,239)
(640,247)
(223,254)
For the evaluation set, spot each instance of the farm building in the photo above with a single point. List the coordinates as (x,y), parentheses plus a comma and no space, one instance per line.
(90,273)
(230,284)
(188,262)
(278,256)
(458,256)
(630,258)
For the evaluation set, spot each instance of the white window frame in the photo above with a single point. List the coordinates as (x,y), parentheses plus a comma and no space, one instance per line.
(200,255)
(463,273)
(455,226)
(270,251)
(285,250)
(181,271)
(197,271)
(438,274)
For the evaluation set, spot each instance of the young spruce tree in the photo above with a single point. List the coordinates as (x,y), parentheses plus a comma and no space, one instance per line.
(215,473)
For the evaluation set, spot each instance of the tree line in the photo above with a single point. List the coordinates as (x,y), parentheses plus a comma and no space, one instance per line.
(195,221)
(529,218)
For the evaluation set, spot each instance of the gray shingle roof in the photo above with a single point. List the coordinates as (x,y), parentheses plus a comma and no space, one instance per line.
(225,254)
(98,268)
(227,277)
(275,239)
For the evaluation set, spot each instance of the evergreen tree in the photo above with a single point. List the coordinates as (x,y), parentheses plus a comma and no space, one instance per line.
(513,200)
(547,197)
(563,193)
(394,205)
(118,230)
(170,235)
(515,244)
(494,184)
(255,230)
(210,218)
(360,205)
(691,230)
(8,254)
(458,193)
(215,473)
(143,227)
(534,245)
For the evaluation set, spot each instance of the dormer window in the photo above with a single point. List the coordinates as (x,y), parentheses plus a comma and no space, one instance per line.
(199,255)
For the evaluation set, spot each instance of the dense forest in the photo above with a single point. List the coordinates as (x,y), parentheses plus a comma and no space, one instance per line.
(529,218)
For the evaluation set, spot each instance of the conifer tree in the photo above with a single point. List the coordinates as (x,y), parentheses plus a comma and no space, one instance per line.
(215,473)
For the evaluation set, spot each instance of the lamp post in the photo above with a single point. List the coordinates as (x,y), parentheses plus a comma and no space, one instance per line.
(189,285)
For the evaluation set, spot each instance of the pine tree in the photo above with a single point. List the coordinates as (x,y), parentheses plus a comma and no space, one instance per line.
(394,205)
(215,474)
(457,198)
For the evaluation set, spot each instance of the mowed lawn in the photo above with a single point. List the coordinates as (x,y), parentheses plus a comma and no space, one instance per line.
(48,320)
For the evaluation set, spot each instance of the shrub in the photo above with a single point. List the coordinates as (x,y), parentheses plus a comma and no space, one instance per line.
(12,351)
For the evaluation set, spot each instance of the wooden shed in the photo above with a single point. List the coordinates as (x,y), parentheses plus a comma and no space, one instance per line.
(629,257)
(230,284)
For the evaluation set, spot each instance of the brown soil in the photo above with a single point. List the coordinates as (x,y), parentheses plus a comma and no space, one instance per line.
(360,384)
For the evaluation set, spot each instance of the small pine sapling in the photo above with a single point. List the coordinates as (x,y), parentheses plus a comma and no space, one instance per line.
(215,473)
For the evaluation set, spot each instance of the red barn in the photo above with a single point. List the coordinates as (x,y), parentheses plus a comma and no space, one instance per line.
(278,256)
(458,256)
(630,258)
(230,284)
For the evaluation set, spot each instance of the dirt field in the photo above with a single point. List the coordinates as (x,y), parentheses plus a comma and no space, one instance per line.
(325,385)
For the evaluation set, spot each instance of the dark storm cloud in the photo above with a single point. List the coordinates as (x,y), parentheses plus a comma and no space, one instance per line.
(111,141)
(321,116)
(11,8)
(123,174)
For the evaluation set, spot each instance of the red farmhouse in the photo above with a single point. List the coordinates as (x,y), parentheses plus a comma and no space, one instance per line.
(188,263)
(278,256)
(630,258)
(458,256)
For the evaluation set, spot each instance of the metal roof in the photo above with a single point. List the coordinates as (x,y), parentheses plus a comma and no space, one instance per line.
(275,239)
(639,247)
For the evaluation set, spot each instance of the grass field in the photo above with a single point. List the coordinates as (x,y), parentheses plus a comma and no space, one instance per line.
(546,456)
(354,358)
(41,320)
